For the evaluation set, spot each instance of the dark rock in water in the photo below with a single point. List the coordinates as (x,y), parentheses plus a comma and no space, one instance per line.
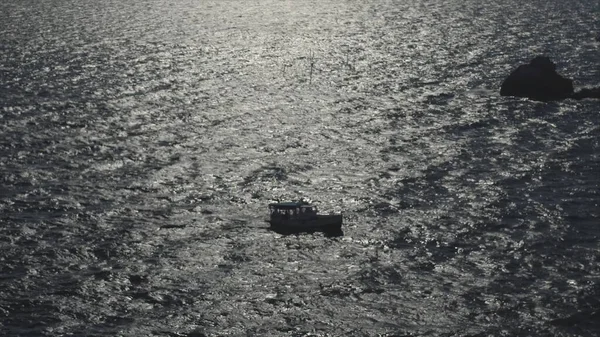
(578,318)
(587,93)
(196,333)
(537,80)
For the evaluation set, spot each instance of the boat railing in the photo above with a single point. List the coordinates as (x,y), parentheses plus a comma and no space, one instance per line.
(294,213)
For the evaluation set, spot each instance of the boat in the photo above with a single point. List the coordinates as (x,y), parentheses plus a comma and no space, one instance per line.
(300,216)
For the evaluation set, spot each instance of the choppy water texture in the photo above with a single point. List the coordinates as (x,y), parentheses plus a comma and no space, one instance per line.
(142,140)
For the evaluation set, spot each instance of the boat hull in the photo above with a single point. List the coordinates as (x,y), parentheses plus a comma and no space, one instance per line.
(322,223)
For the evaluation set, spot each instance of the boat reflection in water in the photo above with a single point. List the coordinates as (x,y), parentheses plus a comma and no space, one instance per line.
(302,217)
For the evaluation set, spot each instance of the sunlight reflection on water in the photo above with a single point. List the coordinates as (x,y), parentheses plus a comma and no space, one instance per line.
(142,141)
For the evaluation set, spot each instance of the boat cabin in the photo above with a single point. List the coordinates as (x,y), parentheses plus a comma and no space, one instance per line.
(292,210)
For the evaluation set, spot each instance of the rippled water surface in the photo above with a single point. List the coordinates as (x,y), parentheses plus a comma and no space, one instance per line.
(141,141)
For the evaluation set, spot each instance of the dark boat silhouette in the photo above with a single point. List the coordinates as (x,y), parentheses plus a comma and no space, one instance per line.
(299,216)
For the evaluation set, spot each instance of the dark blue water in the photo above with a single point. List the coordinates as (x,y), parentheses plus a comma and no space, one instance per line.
(141,141)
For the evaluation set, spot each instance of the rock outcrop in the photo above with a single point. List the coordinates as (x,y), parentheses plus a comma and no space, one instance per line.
(587,93)
(537,80)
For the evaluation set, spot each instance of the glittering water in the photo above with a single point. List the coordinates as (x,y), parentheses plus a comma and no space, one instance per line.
(142,140)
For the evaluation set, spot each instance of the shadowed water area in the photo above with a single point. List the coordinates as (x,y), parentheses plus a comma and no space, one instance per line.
(141,141)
